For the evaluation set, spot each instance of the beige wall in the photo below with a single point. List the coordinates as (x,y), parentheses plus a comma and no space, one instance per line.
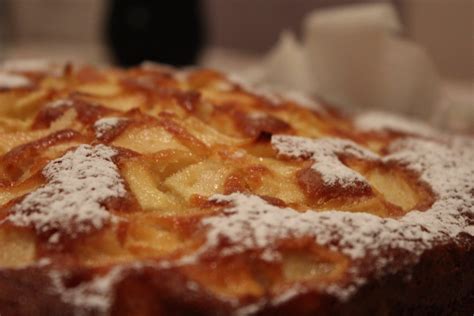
(55,29)
(446,29)
(66,20)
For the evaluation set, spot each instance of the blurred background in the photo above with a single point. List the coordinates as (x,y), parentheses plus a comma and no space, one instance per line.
(230,35)
(77,28)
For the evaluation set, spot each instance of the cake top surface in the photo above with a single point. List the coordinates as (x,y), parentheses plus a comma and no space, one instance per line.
(117,172)
(70,200)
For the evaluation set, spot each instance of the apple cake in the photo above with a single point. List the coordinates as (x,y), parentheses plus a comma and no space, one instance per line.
(162,191)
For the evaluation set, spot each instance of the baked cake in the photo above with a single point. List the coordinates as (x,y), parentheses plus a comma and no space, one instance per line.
(157,191)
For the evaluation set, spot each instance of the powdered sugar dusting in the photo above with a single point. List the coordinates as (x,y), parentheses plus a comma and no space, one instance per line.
(325,153)
(59,103)
(302,99)
(27,65)
(380,121)
(95,294)
(248,86)
(104,125)
(276,95)
(70,201)
(249,222)
(12,81)
(33,65)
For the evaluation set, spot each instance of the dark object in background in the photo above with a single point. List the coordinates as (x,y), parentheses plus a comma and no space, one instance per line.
(169,32)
